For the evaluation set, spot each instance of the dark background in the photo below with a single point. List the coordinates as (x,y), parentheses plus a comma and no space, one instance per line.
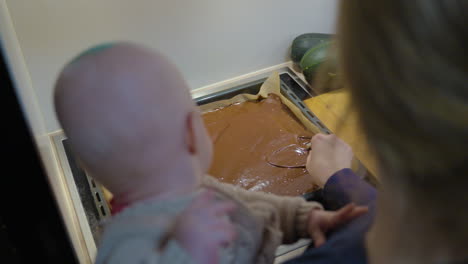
(31,228)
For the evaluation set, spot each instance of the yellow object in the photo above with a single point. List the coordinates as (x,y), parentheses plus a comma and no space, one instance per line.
(334,110)
(107,195)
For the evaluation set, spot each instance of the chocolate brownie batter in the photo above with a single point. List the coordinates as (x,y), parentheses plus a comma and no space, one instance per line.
(260,146)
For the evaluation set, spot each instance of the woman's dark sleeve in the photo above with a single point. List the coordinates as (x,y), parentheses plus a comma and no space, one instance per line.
(346,244)
(346,187)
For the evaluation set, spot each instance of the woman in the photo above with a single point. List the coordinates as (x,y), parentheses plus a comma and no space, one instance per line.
(405,63)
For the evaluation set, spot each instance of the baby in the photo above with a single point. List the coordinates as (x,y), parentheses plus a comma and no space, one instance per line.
(133,125)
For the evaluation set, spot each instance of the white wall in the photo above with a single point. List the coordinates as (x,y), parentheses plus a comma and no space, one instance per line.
(210,40)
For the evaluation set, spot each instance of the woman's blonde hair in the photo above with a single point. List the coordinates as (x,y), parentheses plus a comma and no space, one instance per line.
(406,63)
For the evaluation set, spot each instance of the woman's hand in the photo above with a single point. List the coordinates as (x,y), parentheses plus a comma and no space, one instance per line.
(328,155)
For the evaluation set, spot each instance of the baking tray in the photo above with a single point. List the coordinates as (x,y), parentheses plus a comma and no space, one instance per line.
(85,189)
(294,89)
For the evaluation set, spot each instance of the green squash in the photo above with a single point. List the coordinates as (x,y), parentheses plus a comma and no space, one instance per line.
(304,42)
(316,57)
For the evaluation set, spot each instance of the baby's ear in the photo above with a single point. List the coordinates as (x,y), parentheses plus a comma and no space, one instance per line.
(190,134)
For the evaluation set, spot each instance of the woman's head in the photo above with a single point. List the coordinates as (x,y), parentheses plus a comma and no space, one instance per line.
(406,64)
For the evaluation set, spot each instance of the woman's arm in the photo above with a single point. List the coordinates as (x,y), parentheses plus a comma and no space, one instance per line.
(345,187)
(346,244)
(329,165)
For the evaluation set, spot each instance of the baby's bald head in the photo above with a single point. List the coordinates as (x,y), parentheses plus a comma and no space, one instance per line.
(124,109)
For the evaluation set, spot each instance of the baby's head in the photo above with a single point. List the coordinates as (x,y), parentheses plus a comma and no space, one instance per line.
(130,120)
